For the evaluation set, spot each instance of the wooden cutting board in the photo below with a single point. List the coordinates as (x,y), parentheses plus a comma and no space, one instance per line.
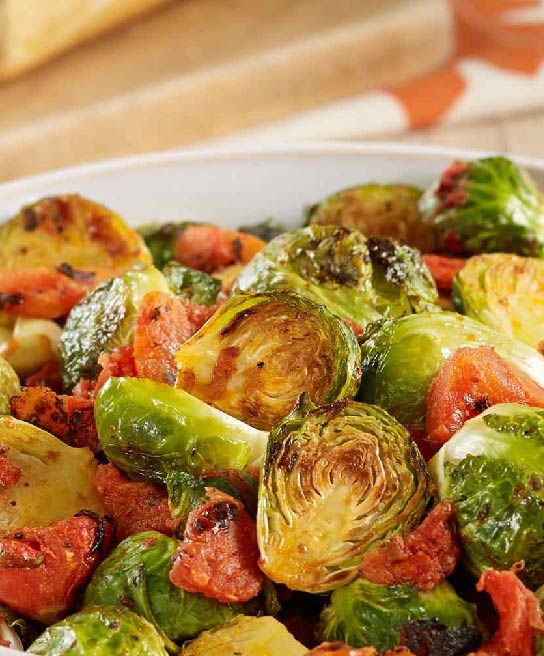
(200,69)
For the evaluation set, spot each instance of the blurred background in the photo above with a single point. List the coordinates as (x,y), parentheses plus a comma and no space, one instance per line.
(87,79)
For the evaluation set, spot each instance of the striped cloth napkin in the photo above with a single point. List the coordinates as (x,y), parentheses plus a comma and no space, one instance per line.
(497,68)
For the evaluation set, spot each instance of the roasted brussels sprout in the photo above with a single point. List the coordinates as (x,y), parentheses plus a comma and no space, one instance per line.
(365,613)
(358,279)
(149,429)
(27,344)
(135,575)
(69,229)
(401,359)
(266,230)
(493,470)
(484,206)
(197,286)
(16,631)
(337,480)
(259,352)
(100,631)
(104,320)
(506,292)
(246,636)
(9,385)
(51,480)
(379,210)
(185,493)
(160,239)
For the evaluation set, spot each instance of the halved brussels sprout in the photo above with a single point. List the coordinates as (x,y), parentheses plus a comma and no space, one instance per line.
(9,385)
(368,614)
(379,210)
(246,636)
(149,429)
(259,352)
(54,481)
(484,206)
(493,470)
(28,344)
(69,229)
(358,279)
(103,320)
(161,238)
(100,631)
(337,480)
(135,575)
(197,286)
(506,292)
(401,359)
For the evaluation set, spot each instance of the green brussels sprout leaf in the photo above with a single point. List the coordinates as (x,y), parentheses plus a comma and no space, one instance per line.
(160,239)
(185,493)
(197,286)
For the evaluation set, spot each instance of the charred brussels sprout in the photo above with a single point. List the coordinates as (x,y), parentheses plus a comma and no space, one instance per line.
(246,636)
(9,385)
(41,466)
(380,210)
(149,429)
(160,239)
(365,613)
(485,206)
(103,320)
(135,575)
(258,353)
(506,292)
(493,470)
(337,480)
(358,279)
(100,631)
(69,229)
(197,286)
(401,359)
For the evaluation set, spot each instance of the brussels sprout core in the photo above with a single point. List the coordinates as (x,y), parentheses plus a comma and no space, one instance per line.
(337,481)
(258,353)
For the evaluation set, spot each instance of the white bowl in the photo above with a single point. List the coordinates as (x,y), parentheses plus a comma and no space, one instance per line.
(232,187)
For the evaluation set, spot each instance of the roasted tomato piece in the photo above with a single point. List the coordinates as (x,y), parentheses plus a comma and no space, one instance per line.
(69,418)
(120,362)
(135,506)
(209,248)
(443,269)
(161,326)
(46,293)
(219,554)
(341,649)
(472,380)
(244,483)
(520,617)
(42,569)
(424,558)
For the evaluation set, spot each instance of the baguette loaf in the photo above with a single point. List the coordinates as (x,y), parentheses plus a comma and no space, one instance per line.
(33,31)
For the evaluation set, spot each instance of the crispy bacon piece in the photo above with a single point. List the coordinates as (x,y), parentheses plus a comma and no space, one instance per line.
(443,269)
(424,558)
(341,649)
(219,554)
(48,376)
(9,473)
(44,292)
(162,325)
(120,362)
(472,380)
(135,506)
(210,248)
(69,418)
(520,617)
(42,569)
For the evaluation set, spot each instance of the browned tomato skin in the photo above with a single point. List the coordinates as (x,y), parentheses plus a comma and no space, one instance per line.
(424,558)
(470,381)
(134,506)
(341,649)
(69,418)
(43,569)
(443,269)
(219,554)
(210,248)
(520,617)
